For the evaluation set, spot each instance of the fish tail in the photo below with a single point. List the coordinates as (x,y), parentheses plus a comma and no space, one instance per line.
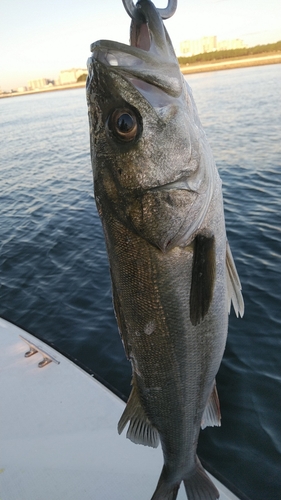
(165,490)
(199,486)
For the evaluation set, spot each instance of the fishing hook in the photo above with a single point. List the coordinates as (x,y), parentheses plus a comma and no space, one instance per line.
(164,13)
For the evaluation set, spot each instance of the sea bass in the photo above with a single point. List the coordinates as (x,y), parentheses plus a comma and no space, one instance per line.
(159,197)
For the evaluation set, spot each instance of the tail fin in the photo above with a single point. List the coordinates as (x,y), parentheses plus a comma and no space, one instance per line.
(165,490)
(199,486)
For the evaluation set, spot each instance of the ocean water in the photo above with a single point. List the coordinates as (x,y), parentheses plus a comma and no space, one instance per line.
(55,281)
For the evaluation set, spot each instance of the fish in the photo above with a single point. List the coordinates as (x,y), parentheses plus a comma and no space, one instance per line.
(159,196)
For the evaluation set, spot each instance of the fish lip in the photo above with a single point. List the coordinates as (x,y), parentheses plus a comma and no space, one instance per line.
(112,46)
(108,52)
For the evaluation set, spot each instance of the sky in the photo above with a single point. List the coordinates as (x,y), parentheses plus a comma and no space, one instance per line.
(40,38)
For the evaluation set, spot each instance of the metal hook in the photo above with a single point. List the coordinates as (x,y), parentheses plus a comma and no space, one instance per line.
(164,13)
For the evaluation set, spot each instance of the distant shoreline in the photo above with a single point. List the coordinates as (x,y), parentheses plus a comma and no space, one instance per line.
(233,63)
(52,88)
(216,65)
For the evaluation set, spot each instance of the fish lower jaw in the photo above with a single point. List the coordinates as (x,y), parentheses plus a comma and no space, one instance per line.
(163,241)
(193,184)
(162,217)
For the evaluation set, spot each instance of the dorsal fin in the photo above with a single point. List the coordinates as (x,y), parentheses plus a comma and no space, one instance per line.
(233,285)
(203,277)
(140,430)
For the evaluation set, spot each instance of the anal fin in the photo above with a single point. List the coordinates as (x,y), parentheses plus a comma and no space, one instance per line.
(212,415)
(140,430)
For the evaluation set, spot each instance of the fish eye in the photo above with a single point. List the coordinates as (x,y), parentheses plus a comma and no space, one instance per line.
(123,124)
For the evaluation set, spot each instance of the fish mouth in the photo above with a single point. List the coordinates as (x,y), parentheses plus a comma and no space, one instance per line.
(150,57)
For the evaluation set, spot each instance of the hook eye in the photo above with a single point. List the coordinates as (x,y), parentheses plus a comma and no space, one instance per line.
(164,13)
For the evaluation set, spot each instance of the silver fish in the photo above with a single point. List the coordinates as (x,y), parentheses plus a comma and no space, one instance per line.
(159,197)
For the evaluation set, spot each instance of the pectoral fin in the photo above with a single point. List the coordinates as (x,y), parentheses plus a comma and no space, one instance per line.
(203,277)
(212,414)
(233,285)
(140,430)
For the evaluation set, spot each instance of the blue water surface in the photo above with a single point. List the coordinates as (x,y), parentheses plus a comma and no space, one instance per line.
(55,280)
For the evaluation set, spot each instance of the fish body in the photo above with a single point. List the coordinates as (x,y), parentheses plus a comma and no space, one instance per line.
(159,197)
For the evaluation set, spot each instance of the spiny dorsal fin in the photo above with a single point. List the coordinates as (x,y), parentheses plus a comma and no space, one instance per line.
(120,320)
(233,285)
(212,414)
(203,277)
(140,430)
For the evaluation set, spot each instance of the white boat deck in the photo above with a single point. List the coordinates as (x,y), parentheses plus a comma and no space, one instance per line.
(58,432)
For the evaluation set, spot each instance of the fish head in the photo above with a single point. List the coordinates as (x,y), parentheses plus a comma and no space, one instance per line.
(153,168)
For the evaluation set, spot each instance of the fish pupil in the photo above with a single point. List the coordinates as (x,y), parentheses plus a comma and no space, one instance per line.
(125,123)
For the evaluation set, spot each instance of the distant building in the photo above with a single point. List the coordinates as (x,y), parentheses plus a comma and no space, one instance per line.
(38,84)
(192,47)
(208,44)
(22,89)
(231,44)
(68,76)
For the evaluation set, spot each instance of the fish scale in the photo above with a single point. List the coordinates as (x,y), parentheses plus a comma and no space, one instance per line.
(154,293)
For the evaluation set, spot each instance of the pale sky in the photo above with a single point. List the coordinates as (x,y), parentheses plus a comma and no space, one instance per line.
(39,38)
